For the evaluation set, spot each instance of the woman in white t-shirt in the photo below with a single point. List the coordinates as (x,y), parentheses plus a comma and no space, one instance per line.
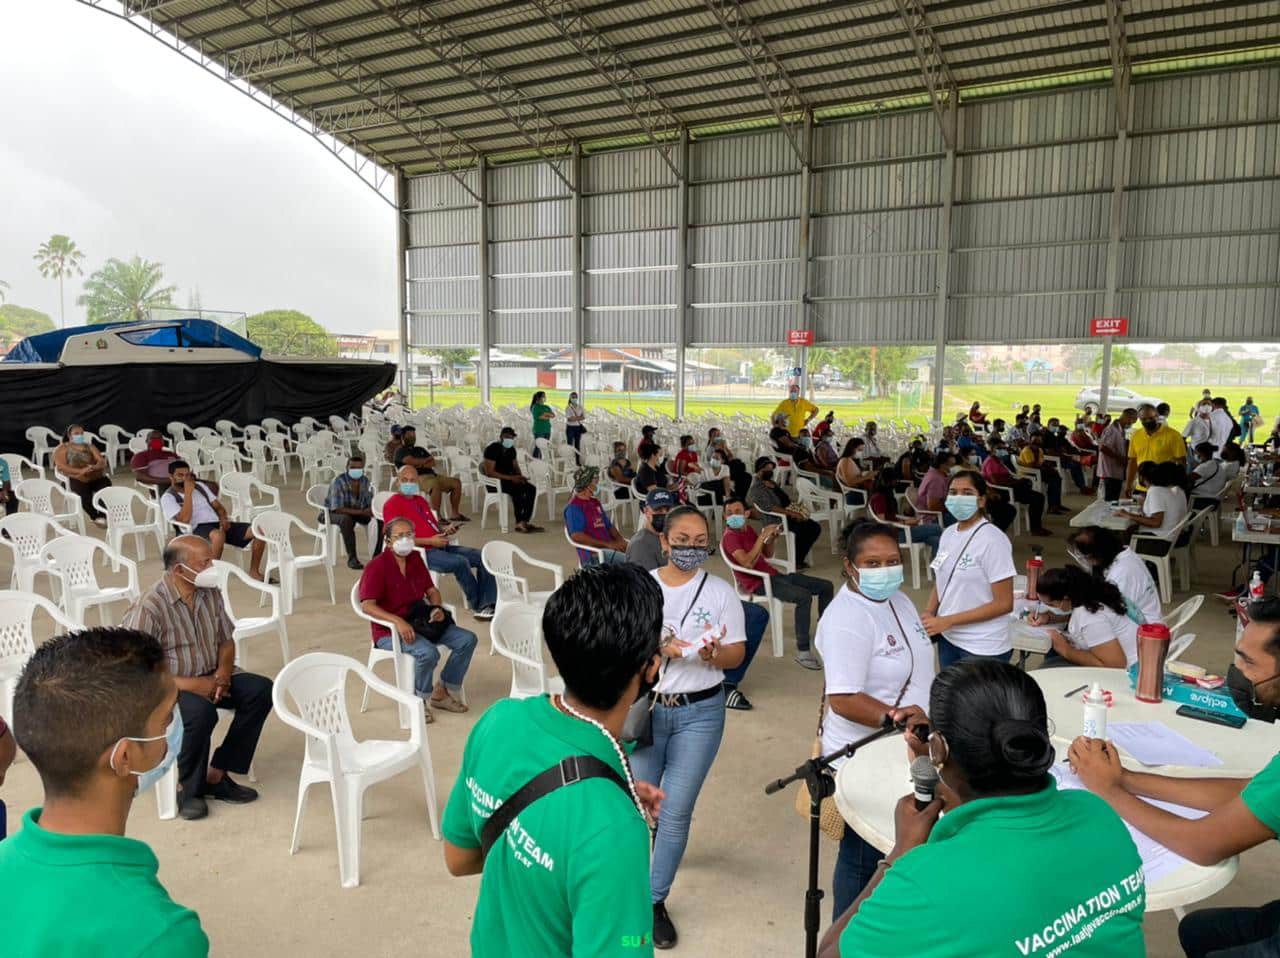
(1099,630)
(1102,551)
(973,580)
(703,635)
(1163,507)
(879,665)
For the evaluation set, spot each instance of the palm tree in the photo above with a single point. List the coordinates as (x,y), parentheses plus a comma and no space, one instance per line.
(125,292)
(58,258)
(1123,362)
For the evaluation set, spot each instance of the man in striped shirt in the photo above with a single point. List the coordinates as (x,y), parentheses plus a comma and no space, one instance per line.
(184,612)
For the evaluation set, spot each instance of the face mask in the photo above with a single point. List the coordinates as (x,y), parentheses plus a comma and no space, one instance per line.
(1245,694)
(794,396)
(205,579)
(962,507)
(408,488)
(402,546)
(508,443)
(687,558)
(573,399)
(173,745)
(658,522)
(1151,425)
(805,441)
(767,475)
(355,473)
(735,522)
(880,584)
(155,445)
(80,439)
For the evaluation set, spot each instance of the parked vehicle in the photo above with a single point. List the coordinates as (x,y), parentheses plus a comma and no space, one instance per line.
(1118,398)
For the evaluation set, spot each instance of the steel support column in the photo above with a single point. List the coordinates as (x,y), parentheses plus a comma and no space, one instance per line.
(482,260)
(802,245)
(943,278)
(1119,179)
(402,283)
(576,279)
(682,270)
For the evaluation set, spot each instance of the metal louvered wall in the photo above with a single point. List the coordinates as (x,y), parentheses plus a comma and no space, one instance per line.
(1199,252)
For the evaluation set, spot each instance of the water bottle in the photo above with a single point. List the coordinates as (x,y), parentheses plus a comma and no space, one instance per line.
(1034,565)
(1256,589)
(1153,648)
(1095,713)
(1241,528)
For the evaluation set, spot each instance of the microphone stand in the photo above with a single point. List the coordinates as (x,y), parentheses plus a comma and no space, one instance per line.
(815,773)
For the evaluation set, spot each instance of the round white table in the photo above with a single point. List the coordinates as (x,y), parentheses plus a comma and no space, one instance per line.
(869,785)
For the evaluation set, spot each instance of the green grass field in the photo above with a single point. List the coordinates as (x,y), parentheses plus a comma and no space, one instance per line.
(996,400)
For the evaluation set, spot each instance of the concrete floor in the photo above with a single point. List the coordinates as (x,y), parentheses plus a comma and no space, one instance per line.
(742,879)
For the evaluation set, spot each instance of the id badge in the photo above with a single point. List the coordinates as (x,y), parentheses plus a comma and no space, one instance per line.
(938,559)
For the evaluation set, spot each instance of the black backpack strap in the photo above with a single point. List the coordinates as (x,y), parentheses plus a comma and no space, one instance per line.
(575,768)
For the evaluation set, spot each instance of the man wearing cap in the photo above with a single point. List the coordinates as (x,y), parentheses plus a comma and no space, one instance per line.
(645,549)
(766,497)
(798,411)
(432,483)
(587,523)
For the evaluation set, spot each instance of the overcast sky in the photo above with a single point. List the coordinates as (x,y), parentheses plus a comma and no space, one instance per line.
(128,147)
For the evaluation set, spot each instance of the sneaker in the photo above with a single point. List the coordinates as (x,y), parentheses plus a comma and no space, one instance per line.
(461,518)
(485,614)
(228,791)
(664,932)
(354,563)
(733,699)
(193,808)
(808,660)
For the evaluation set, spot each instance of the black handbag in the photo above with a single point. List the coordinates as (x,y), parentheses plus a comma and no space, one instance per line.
(419,617)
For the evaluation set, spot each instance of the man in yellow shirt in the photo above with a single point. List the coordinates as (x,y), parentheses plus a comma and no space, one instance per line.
(1155,442)
(1032,457)
(798,411)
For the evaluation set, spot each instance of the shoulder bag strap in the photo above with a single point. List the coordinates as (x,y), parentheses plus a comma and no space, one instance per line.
(943,591)
(575,768)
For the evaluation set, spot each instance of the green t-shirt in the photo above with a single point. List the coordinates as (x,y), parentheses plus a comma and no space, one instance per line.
(1052,873)
(75,895)
(1262,796)
(571,874)
(541,427)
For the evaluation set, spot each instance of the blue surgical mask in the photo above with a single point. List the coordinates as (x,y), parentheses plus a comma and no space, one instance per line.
(962,507)
(508,443)
(355,473)
(879,584)
(173,745)
(80,439)
(735,522)
(408,488)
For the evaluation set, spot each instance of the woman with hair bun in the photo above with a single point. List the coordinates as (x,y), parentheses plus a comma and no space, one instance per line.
(1016,867)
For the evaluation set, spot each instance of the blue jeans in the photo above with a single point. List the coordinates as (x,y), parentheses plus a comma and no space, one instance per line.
(855,866)
(464,564)
(756,619)
(685,741)
(799,589)
(426,656)
(927,532)
(606,557)
(949,654)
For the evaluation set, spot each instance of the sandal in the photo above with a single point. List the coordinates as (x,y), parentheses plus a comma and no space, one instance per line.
(449,704)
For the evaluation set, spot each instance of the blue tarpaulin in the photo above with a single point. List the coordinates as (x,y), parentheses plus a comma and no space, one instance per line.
(180,333)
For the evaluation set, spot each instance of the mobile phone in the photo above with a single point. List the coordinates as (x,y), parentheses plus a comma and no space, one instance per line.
(1215,718)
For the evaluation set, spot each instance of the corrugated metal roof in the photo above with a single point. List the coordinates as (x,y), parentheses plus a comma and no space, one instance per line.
(392,77)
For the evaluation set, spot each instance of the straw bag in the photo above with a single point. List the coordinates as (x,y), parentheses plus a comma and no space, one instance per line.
(830,821)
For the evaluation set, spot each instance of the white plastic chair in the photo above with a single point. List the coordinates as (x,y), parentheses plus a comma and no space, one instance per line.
(25,534)
(117,442)
(763,597)
(276,528)
(499,558)
(1179,646)
(178,430)
(17,638)
(316,495)
(47,498)
(494,496)
(915,549)
(823,504)
(316,683)
(1164,563)
(597,552)
(117,503)
(546,485)
(1180,618)
(852,510)
(43,441)
(19,466)
(69,560)
(517,635)
(784,553)
(1021,514)
(238,489)
(246,627)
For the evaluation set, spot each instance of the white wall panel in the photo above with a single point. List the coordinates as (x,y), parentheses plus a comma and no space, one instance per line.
(633,327)
(439,330)
(877,138)
(876,320)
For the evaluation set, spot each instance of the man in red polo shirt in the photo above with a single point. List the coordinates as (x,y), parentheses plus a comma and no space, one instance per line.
(444,556)
(393,582)
(151,466)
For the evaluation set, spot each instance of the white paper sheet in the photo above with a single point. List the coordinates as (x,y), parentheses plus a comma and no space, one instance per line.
(1154,743)
(1157,861)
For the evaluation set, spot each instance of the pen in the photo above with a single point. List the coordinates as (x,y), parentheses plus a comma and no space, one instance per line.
(1076,691)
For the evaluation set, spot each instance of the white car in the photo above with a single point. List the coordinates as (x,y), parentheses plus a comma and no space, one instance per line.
(1117,398)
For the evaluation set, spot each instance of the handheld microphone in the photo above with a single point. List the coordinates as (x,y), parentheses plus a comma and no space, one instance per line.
(925,779)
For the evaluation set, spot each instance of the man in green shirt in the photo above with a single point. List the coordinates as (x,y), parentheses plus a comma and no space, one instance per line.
(569,876)
(95,711)
(1243,813)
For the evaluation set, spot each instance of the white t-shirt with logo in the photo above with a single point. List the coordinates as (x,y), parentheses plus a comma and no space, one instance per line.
(1169,500)
(964,580)
(864,650)
(1130,575)
(717,613)
(1086,630)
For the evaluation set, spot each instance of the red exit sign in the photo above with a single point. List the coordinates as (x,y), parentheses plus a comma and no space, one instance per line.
(1109,326)
(800,337)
